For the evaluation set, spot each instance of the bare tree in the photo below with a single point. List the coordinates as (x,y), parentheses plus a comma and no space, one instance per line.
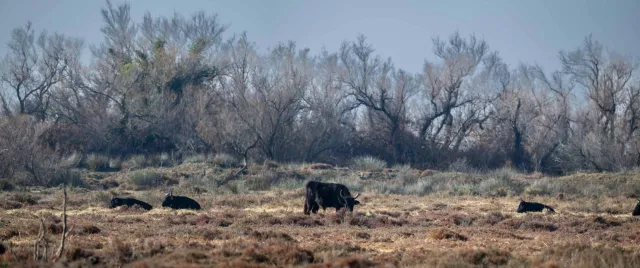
(380,88)
(265,93)
(445,89)
(31,69)
(327,122)
(605,77)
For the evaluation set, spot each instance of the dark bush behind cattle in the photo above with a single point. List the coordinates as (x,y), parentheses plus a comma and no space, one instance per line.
(179,202)
(129,202)
(326,195)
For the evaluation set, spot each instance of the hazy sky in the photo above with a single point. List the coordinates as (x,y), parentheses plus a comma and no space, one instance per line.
(530,31)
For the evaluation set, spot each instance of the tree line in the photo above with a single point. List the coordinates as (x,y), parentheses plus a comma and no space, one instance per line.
(181,85)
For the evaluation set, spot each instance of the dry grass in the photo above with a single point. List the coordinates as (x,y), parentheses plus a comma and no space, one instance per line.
(268,228)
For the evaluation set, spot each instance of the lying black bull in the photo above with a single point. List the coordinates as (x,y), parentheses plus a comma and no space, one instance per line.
(328,195)
(636,211)
(179,202)
(129,202)
(532,207)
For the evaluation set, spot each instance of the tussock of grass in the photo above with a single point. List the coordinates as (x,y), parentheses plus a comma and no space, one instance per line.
(368,163)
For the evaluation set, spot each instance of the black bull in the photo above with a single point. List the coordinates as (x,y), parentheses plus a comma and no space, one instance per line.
(328,195)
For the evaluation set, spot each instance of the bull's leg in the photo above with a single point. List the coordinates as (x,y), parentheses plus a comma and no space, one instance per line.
(306,207)
(319,205)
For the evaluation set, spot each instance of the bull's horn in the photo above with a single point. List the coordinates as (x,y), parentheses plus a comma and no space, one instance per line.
(356,196)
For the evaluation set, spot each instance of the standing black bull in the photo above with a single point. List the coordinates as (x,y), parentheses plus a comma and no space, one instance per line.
(129,202)
(636,211)
(179,202)
(328,195)
(532,207)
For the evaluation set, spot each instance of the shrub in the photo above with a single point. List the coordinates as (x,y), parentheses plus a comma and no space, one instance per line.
(196,158)
(115,163)
(165,160)
(225,160)
(101,198)
(461,165)
(145,179)
(406,174)
(71,161)
(368,163)
(6,185)
(135,162)
(97,162)
(69,176)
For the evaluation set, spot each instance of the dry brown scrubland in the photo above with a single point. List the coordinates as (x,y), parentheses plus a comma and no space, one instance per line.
(244,227)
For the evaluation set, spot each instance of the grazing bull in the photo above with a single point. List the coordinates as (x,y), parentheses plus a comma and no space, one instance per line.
(179,202)
(129,202)
(636,211)
(532,207)
(328,195)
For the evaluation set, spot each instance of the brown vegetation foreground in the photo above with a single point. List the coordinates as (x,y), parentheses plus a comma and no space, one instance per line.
(269,229)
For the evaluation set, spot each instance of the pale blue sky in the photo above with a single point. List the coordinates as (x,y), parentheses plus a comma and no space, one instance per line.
(522,31)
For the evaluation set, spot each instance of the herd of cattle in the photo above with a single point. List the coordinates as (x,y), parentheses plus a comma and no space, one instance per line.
(317,195)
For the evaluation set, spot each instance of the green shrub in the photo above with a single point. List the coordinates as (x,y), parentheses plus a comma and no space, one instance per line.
(368,163)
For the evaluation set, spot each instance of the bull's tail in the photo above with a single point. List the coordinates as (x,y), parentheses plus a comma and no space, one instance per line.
(550,209)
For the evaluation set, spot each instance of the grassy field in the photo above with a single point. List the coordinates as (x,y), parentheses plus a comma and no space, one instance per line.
(408,218)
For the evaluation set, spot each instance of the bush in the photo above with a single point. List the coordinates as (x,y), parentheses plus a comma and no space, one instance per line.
(225,160)
(196,158)
(368,163)
(145,179)
(97,162)
(71,177)
(165,160)
(461,165)
(72,161)
(115,163)
(6,186)
(135,162)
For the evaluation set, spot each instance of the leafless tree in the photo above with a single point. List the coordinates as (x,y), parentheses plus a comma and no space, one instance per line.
(448,86)
(377,86)
(32,68)
(605,76)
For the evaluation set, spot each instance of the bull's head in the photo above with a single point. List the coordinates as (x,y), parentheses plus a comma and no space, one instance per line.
(167,198)
(521,206)
(349,201)
(114,202)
